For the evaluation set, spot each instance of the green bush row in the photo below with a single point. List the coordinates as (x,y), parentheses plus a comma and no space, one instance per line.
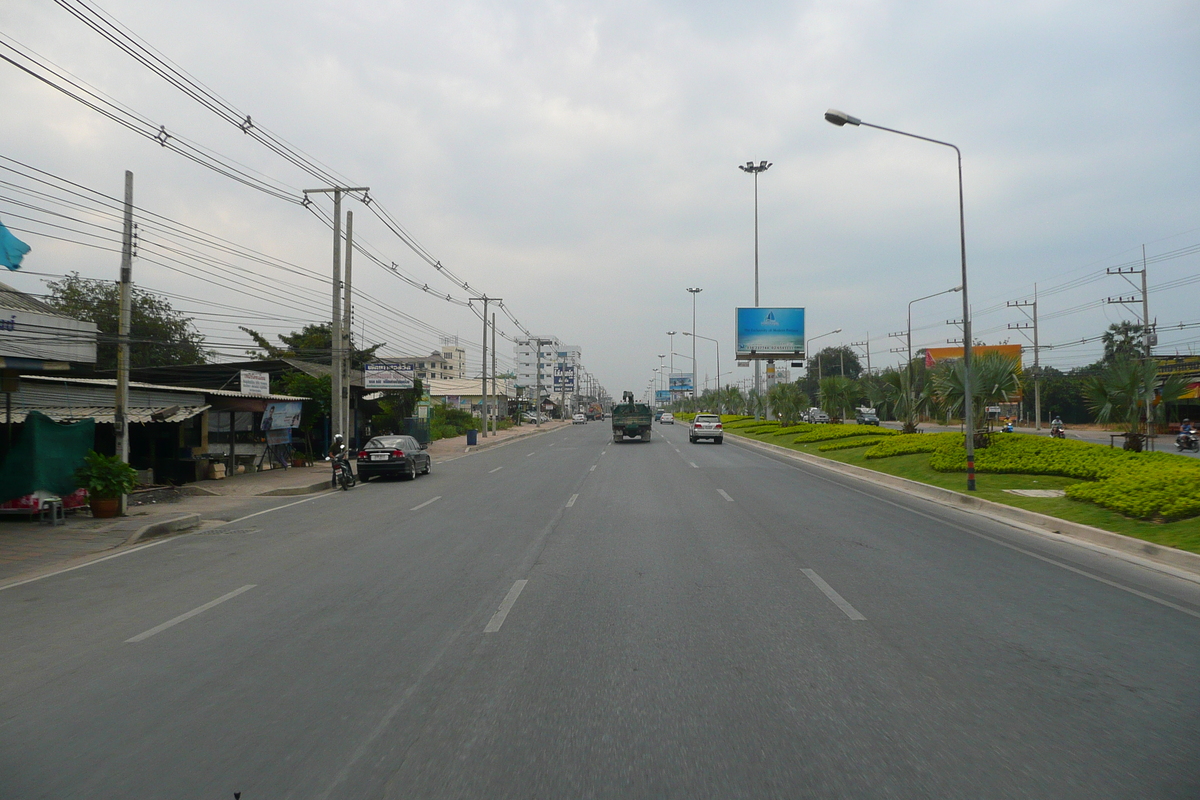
(857,441)
(824,433)
(1142,485)
(907,443)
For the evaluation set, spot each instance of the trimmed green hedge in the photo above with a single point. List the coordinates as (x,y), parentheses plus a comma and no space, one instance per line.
(849,444)
(824,433)
(1142,485)
(907,443)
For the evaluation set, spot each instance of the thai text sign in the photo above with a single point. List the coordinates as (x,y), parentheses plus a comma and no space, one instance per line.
(770,333)
(387,375)
(255,382)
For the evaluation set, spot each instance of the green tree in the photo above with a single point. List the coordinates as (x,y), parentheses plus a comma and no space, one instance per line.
(395,407)
(1128,392)
(316,408)
(995,378)
(837,396)
(1122,340)
(787,401)
(905,399)
(311,343)
(159,335)
(840,360)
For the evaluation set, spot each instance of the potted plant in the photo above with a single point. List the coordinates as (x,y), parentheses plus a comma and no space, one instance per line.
(106,478)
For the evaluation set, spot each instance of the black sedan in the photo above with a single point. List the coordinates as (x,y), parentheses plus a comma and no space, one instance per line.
(393,455)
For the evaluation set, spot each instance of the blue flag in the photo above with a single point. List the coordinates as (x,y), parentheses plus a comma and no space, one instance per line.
(12,249)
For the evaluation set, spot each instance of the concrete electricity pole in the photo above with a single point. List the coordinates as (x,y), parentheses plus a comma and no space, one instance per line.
(1147,336)
(340,392)
(344,345)
(121,404)
(495,394)
(1023,326)
(483,394)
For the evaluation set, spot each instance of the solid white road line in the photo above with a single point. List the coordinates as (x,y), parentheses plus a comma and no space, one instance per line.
(571,502)
(497,469)
(509,600)
(199,610)
(722,493)
(427,502)
(849,610)
(86,564)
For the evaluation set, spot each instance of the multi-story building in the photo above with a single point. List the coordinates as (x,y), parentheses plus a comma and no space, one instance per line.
(449,363)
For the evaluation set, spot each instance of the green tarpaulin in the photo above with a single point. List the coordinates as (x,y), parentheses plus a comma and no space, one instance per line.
(46,457)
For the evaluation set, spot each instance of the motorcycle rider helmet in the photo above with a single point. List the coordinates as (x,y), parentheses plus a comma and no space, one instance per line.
(337,438)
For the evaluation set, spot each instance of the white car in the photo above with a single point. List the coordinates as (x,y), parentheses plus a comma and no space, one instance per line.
(667,418)
(706,426)
(579,419)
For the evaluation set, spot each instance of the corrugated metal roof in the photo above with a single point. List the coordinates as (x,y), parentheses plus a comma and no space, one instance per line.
(105,414)
(18,300)
(137,385)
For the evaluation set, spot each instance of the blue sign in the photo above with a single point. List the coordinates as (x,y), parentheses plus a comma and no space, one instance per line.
(770,333)
(662,396)
(681,382)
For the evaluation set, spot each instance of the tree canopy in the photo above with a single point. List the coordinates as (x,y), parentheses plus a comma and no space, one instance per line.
(311,343)
(159,335)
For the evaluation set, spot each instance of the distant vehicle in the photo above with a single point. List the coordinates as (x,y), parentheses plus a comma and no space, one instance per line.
(657,416)
(533,418)
(400,456)
(817,416)
(866,416)
(579,419)
(706,426)
(667,418)
(631,420)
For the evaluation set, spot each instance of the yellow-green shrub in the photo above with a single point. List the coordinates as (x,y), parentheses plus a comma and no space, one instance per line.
(907,443)
(824,433)
(849,444)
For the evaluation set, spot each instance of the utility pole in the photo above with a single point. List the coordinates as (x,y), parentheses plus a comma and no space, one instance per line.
(867,344)
(1022,327)
(495,394)
(483,395)
(121,404)
(344,345)
(336,413)
(1148,338)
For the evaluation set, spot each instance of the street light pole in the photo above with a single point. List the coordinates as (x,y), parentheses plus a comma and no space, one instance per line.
(716,344)
(753,169)
(695,292)
(672,335)
(840,118)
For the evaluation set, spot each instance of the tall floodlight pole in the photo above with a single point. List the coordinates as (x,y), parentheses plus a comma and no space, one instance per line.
(754,170)
(672,335)
(840,118)
(338,401)
(695,292)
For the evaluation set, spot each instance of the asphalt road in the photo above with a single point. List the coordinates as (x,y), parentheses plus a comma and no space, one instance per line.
(563,617)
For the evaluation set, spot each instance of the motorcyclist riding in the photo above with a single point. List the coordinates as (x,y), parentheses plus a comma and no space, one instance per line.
(1056,428)
(339,454)
(1187,435)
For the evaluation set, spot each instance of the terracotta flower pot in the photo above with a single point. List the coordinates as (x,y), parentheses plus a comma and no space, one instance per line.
(105,507)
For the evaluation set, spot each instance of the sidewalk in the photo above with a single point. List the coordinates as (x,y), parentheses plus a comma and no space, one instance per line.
(28,548)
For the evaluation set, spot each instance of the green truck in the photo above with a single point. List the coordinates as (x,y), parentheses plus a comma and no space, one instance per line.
(631,420)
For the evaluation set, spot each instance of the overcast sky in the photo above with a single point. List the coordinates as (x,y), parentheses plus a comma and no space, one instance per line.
(580,161)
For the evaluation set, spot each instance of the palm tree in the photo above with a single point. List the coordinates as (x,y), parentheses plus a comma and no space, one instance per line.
(1127,391)
(906,400)
(1122,340)
(787,400)
(995,378)
(837,395)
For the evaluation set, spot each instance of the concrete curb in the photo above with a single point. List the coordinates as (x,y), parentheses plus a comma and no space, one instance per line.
(1180,563)
(289,491)
(172,525)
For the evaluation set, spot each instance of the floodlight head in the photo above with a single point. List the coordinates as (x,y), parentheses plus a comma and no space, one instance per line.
(957,288)
(670,333)
(841,118)
(839,330)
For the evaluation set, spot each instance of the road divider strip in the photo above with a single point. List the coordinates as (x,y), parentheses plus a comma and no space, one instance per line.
(505,606)
(839,601)
(182,617)
(427,502)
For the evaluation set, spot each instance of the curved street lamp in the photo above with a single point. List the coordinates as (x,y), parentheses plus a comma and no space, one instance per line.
(716,344)
(695,292)
(812,339)
(841,118)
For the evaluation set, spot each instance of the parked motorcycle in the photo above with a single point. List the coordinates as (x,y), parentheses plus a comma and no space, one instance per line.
(343,476)
(1187,441)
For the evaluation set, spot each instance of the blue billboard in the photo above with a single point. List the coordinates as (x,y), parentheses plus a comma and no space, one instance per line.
(662,397)
(770,333)
(681,382)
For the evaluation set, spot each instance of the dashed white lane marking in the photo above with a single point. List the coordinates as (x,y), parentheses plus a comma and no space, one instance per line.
(676,449)
(839,601)
(571,502)
(593,467)
(553,443)
(527,455)
(693,463)
(427,502)
(722,493)
(497,469)
(509,600)
(199,610)
(602,452)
